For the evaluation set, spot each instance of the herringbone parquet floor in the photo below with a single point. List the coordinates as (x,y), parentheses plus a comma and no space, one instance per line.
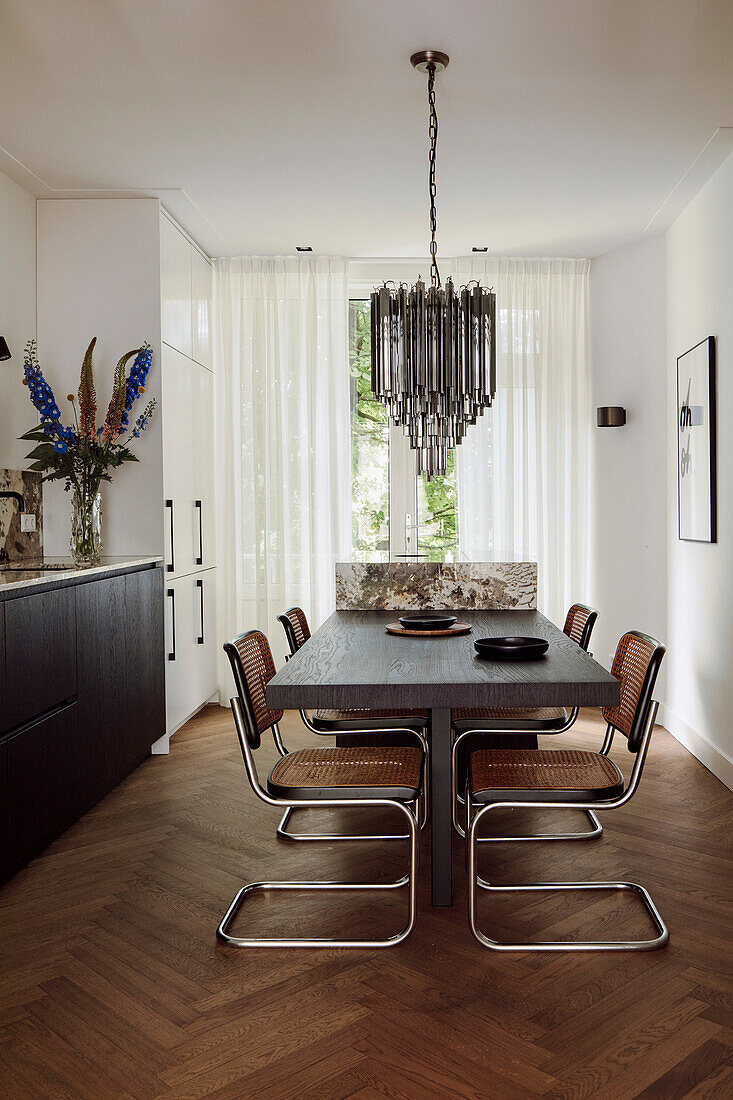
(112,983)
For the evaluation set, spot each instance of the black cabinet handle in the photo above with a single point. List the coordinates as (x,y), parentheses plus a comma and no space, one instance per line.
(169,566)
(200,558)
(200,586)
(171,593)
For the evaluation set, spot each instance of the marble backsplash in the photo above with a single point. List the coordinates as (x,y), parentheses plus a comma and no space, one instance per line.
(400,586)
(17,545)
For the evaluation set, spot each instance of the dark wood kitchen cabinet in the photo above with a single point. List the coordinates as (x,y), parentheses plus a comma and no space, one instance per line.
(82,673)
(40,664)
(119,644)
(42,767)
(145,665)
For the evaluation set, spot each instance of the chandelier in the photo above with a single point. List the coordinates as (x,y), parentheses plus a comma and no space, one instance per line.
(433,348)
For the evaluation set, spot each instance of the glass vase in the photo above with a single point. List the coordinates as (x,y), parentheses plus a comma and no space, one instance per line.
(86,525)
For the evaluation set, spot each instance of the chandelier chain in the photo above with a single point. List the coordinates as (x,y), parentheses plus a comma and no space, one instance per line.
(433,135)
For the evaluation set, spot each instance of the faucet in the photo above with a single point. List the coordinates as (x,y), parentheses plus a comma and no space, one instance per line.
(10,493)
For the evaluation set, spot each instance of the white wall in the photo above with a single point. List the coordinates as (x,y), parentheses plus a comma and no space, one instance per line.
(17,316)
(99,275)
(699,575)
(628,339)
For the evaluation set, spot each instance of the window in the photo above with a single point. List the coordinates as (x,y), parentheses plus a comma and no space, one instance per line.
(369,446)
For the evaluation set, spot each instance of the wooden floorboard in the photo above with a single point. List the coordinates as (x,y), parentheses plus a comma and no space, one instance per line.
(112,983)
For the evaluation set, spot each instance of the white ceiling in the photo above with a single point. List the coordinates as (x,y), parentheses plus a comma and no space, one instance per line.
(565,125)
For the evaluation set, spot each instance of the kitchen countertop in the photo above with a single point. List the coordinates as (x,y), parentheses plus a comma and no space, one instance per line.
(23,576)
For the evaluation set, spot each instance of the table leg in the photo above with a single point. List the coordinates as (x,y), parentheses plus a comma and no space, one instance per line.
(441,825)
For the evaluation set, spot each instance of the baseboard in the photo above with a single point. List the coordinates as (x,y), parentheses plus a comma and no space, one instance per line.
(162,747)
(714,759)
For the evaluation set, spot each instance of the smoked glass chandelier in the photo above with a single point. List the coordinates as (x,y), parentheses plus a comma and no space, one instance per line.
(433,348)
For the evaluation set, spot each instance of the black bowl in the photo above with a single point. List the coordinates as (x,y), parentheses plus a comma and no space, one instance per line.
(427,620)
(511,649)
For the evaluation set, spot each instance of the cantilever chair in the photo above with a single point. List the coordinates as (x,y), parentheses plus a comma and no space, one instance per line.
(322,777)
(330,722)
(555,779)
(517,722)
(384,725)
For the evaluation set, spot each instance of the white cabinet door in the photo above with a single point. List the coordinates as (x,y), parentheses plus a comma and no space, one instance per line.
(179,381)
(180,619)
(175,287)
(190,625)
(203,452)
(204,672)
(201,276)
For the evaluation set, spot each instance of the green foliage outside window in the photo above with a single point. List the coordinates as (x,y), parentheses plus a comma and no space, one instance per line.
(437,510)
(436,500)
(369,446)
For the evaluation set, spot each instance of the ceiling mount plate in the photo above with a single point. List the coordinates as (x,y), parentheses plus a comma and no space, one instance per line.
(424,58)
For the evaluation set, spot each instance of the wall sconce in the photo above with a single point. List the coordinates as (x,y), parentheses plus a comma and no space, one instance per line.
(4,349)
(611,416)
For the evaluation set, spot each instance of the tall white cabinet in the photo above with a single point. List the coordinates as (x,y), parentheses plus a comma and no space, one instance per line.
(123,270)
(188,473)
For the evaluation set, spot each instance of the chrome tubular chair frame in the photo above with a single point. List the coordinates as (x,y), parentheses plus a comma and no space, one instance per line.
(475,882)
(457,800)
(409,880)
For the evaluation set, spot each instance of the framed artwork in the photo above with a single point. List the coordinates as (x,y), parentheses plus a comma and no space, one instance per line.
(696,463)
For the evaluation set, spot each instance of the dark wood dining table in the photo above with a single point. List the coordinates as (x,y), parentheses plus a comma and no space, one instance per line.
(351,662)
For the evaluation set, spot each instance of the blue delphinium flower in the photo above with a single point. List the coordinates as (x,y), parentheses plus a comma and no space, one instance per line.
(143,419)
(39,389)
(136,380)
(60,446)
(42,397)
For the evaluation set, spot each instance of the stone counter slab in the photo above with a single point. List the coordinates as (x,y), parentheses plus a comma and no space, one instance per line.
(25,581)
(418,586)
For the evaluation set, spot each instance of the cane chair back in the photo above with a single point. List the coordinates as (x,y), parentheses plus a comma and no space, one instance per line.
(253,667)
(296,627)
(579,624)
(636,666)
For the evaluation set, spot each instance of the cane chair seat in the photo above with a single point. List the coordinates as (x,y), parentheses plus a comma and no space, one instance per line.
(341,721)
(538,775)
(369,772)
(521,719)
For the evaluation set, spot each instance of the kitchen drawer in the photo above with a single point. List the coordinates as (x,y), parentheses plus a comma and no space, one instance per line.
(40,655)
(43,766)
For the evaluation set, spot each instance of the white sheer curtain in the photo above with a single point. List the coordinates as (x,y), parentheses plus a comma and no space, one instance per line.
(283,438)
(523,468)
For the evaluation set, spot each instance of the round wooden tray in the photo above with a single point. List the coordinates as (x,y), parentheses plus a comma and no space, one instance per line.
(457,628)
